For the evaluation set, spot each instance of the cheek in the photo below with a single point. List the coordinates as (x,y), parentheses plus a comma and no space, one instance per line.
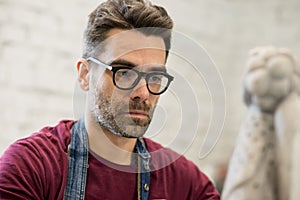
(153,100)
(105,84)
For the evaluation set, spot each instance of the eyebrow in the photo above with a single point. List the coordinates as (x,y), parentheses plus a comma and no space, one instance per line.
(122,62)
(160,68)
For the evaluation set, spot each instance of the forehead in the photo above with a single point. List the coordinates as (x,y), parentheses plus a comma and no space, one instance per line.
(132,43)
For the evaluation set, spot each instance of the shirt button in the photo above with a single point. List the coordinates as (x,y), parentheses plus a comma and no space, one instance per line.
(146,166)
(146,187)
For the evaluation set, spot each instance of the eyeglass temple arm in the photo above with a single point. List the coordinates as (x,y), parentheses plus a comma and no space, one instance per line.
(99,62)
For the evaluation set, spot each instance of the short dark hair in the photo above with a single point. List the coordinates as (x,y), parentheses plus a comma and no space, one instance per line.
(126,14)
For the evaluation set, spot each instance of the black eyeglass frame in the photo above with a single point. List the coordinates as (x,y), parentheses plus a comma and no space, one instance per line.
(140,75)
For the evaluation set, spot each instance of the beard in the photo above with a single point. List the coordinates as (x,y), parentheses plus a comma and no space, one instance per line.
(113,115)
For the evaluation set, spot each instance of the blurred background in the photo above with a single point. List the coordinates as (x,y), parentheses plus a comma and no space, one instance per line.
(40,42)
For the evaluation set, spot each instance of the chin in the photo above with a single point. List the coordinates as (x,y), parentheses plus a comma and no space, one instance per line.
(134,131)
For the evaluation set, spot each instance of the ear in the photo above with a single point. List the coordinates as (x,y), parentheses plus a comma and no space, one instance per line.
(83,69)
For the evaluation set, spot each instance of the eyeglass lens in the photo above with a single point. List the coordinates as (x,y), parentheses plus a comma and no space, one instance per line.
(127,78)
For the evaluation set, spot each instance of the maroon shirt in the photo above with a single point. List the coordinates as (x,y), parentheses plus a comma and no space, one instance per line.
(36,168)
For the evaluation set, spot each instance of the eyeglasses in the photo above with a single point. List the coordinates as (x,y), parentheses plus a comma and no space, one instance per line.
(126,78)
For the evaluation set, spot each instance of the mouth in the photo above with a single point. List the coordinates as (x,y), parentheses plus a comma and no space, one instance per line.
(138,114)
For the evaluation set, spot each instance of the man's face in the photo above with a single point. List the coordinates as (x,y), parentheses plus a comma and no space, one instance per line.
(126,113)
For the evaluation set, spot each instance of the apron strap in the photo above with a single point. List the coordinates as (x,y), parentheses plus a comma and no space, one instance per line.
(78,162)
(143,174)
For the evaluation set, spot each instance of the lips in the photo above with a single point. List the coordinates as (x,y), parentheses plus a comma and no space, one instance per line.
(138,113)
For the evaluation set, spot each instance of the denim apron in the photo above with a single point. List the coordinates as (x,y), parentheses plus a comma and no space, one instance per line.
(78,151)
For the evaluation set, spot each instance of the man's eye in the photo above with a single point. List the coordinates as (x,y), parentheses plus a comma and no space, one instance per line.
(126,73)
(156,78)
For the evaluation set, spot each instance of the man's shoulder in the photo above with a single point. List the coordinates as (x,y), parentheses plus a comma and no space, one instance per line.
(36,164)
(48,137)
(60,131)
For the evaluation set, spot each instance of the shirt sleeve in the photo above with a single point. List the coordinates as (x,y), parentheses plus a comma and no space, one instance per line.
(21,172)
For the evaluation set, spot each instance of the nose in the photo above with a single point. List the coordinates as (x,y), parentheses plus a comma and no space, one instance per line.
(140,92)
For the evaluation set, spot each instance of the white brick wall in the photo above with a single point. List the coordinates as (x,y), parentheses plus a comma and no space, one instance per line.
(40,42)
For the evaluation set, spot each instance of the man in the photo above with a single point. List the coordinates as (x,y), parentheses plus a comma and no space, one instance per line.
(104,155)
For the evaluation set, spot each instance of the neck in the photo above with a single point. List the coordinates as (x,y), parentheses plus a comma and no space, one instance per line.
(109,146)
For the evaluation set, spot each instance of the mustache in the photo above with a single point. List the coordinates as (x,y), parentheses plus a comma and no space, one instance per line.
(133,105)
